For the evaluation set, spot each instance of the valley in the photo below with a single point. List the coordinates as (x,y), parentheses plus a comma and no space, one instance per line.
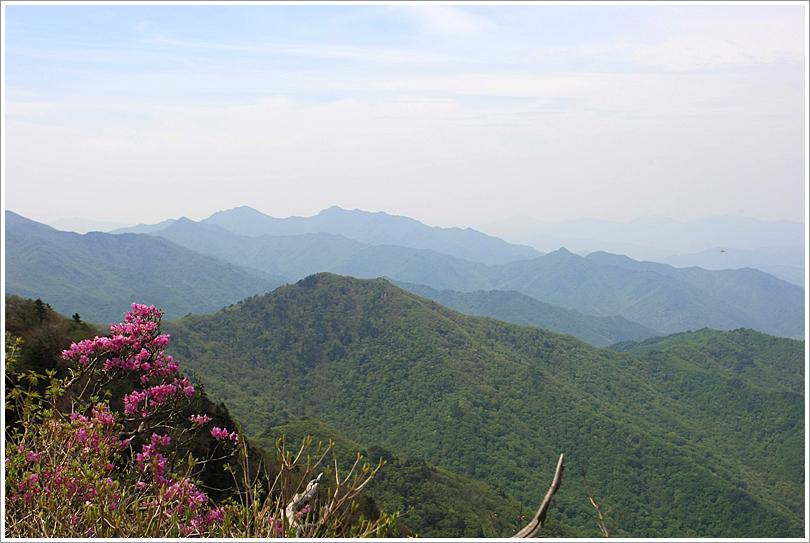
(470,363)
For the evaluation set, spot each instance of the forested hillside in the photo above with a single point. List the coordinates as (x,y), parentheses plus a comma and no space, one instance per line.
(763,361)
(434,502)
(84,458)
(517,308)
(669,441)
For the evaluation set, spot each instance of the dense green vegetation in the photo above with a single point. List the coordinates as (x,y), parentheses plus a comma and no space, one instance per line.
(435,502)
(520,309)
(677,446)
(760,360)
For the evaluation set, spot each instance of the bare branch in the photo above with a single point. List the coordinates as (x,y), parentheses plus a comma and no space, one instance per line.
(600,519)
(536,523)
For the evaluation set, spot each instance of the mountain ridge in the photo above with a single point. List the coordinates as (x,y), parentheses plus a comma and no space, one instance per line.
(500,402)
(670,241)
(373,229)
(657,296)
(100,274)
(654,295)
(517,308)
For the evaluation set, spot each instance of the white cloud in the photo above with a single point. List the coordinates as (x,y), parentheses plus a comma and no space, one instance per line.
(331,51)
(446,20)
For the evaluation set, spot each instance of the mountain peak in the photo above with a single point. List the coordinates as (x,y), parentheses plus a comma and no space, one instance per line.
(241,211)
(562,252)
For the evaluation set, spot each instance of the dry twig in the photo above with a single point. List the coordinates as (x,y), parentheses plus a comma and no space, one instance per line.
(536,523)
(600,517)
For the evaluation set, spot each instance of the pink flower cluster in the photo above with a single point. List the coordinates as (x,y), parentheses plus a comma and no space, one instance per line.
(133,345)
(200,419)
(201,522)
(156,395)
(222,433)
(150,457)
(136,346)
(171,496)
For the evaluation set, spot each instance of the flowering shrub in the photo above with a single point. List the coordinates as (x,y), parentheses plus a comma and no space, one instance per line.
(77,467)
(71,480)
(68,464)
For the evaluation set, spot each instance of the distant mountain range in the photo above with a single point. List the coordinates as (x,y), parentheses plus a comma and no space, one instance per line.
(99,275)
(783,262)
(714,243)
(672,236)
(656,296)
(368,228)
(660,296)
(83,226)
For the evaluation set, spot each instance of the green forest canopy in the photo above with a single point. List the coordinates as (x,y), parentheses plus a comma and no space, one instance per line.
(672,441)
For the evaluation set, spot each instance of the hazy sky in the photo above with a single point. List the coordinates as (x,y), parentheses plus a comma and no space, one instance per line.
(452,114)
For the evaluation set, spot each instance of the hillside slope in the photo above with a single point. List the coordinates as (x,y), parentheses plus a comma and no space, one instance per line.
(435,502)
(664,439)
(99,275)
(517,308)
(659,296)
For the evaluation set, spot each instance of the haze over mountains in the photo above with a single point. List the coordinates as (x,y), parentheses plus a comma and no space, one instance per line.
(369,228)
(712,243)
(655,296)
(98,274)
